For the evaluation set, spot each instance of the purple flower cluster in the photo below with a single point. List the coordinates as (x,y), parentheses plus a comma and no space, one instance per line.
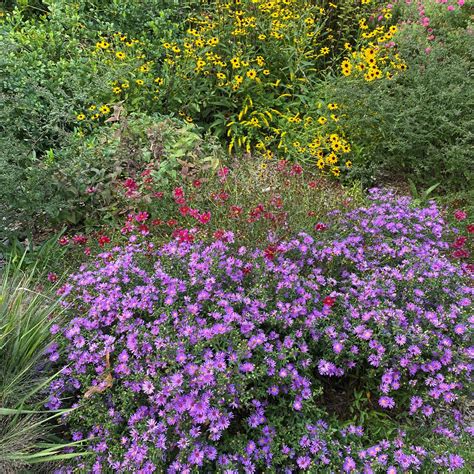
(217,358)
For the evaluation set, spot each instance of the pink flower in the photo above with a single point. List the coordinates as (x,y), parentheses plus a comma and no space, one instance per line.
(450,8)
(63,240)
(52,277)
(460,215)
(142,216)
(204,218)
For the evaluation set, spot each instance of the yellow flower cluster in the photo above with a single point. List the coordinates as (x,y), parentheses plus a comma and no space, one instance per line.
(271,133)
(375,60)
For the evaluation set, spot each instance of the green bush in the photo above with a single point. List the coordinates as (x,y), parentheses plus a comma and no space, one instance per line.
(418,125)
(81,183)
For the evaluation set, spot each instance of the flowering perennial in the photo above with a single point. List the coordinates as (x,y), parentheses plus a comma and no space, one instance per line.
(220,358)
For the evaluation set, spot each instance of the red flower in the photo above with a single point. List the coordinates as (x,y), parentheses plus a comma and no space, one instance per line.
(197,183)
(178,193)
(183,235)
(222,173)
(156,222)
(204,218)
(470,228)
(63,240)
(460,215)
(270,252)
(142,216)
(79,239)
(461,253)
(329,301)
(172,222)
(296,169)
(247,269)
(320,226)
(158,194)
(103,239)
(459,242)
(130,184)
(235,211)
(143,228)
(52,277)
(87,251)
(184,210)
(311,213)
(218,234)
(312,184)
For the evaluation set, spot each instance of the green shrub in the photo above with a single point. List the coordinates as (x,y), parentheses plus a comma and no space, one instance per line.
(81,183)
(420,124)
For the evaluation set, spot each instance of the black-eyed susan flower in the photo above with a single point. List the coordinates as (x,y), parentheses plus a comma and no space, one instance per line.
(139,82)
(116,90)
(120,55)
(80,117)
(348,164)
(266,72)
(322,120)
(104,109)
(251,73)
(332,106)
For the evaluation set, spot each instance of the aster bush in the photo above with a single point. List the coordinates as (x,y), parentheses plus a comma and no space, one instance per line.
(215,357)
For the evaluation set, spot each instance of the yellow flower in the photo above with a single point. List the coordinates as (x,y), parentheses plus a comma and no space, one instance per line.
(92,107)
(160,81)
(348,164)
(102,44)
(80,117)
(175,49)
(238,79)
(320,163)
(322,120)
(144,68)
(125,85)
(251,73)
(199,43)
(266,72)
(332,106)
(120,55)
(104,109)
(213,41)
(200,63)
(139,82)
(220,75)
(336,171)
(116,90)
(95,116)
(235,62)
(324,51)
(262,37)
